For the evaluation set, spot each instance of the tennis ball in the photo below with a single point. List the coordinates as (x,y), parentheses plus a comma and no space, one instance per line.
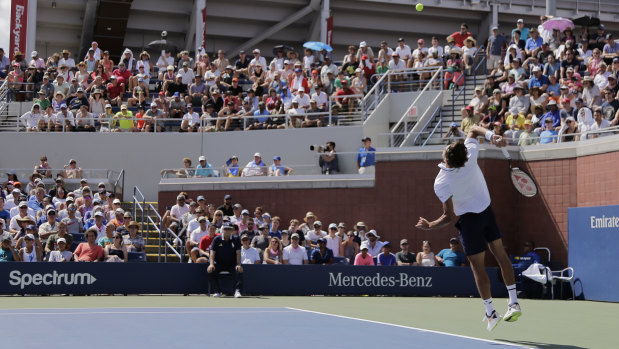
(419,7)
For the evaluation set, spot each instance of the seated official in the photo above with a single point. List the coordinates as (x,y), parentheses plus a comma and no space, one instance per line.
(225,255)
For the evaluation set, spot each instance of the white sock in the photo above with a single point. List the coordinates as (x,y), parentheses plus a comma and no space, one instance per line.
(511,289)
(489,307)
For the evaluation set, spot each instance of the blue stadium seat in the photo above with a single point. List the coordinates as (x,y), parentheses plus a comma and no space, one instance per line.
(340,260)
(136,256)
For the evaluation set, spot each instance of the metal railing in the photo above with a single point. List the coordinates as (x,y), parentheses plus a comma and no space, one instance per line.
(121,179)
(418,138)
(480,53)
(439,126)
(401,127)
(4,100)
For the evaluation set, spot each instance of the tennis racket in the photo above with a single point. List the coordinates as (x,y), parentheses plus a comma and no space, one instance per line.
(522,181)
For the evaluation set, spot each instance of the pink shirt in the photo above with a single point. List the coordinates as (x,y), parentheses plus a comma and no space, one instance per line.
(359,260)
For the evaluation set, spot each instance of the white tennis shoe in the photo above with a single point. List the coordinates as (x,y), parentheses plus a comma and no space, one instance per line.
(237,294)
(493,320)
(216,295)
(513,313)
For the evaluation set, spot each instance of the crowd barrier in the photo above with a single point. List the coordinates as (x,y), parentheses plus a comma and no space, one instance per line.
(268,280)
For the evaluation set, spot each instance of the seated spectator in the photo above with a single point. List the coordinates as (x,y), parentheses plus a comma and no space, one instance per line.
(548,134)
(363,257)
(231,168)
(108,239)
(591,93)
(426,257)
(277,169)
(116,251)
(312,236)
(190,121)
(386,258)
(255,168)
(202,253)
(599,124)
(374,245)
(262,242)
(204,169)
(452,256)
(349,248)
(33,120)
(529,136)
(405,257)
(134,242)
(52,241)
(89,251)
(192,246)
(61,253)
(273,254)
(322,254)
(249,255)
(7,252)
(454,133)
(295,254)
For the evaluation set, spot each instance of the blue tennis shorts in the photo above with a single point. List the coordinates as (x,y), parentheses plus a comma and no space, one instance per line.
(477,230)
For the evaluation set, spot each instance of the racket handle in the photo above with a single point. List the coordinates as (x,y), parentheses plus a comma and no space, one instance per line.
(506,154)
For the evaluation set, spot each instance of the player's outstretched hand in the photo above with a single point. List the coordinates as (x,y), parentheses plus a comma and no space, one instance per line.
(423,224)
(498,141)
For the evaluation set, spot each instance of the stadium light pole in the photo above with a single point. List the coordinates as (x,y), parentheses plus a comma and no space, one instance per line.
(551,7)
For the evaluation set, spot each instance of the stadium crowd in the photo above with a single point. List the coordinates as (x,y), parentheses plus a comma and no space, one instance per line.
(41,222)
(546,86)
(263,238)
(213,92)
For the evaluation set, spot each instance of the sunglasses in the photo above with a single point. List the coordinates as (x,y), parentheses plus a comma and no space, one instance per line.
(218,215)
(117,237)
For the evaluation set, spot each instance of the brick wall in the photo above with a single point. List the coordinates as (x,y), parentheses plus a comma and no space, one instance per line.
(404,191)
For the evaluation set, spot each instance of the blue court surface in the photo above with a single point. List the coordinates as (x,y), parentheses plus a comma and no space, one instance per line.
(213,328)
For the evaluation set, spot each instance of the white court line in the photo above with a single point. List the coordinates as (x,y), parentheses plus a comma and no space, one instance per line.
(205,311)
(410,328)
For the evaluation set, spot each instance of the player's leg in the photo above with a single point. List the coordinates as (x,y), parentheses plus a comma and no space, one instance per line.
(483,286)
(507,270)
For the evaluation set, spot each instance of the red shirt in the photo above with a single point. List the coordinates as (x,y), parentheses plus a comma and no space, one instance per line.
(114,91)
(87,253)
(459,37)
(122,75)
(206,242)
(344,92)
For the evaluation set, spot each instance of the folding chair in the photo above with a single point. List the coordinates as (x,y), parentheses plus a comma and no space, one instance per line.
(544,251)
(563,276)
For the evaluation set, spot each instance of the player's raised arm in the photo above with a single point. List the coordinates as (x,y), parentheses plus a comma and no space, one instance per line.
(478,131)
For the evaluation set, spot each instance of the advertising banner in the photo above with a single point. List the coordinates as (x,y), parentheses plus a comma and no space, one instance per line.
(330,31)
(593,233)
(19,24)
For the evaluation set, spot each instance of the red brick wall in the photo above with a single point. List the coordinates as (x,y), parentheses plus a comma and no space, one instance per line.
(403,191)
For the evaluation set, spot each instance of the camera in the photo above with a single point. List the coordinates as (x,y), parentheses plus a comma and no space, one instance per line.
(318,148)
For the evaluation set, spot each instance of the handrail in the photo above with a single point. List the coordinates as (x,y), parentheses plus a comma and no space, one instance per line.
(463,76)
(157,225)
(439,124)
(121,174)
(373,90)
(430,119)
(4,98)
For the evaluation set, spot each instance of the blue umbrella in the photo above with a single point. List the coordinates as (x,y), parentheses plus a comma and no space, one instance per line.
(317,46)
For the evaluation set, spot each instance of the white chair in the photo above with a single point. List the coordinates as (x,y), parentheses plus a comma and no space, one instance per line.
(564,275)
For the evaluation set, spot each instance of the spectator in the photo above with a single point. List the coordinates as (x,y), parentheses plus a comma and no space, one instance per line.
(274,230)
(426,258)
(321,254)
(261,242)
(32,120)
(405,257)
(192,246)
(519,103)
(554,114)
(255,168)
(333,240)
(249,255)
(134,242)
(452,256)
(599,124)
(496,43)
(176,212)
(454,133)
(374,245)
(277,169)
(273,254)
(312,236)
(455,66)
(591,93)
(52,241)
(363,257)
(225,255)
(32,252)
(468,119)
(328,160)
(50,227)
(108,239)
(226,207)
(548,133)
(61,254)
(89,251)
(295,254)
(116,251)
(529,136)
(611,48)
(524,32)
(386,258)
(7,252)
(349,248)
(461,35)
(468,54)
(569,131)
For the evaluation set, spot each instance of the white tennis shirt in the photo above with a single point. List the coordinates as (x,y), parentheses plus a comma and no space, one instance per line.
(465,185)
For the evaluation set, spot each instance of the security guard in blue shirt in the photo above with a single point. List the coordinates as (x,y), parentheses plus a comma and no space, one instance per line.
(366,157)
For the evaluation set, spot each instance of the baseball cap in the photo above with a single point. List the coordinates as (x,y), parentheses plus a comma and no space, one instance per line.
(201,198)
(520,20)
(295,235)
(120,210)
(61,240)
(256,50)
(176,94)
(363,44)
(386,244)
(495,28)
(454,241)
(245,211)
(237,206)
(202,219)
(227,226)
(30,236)
(277,157)
(322,240)
(332,226)
(124,106)
(98,213)
(536,69)
(366,139)
(364,246)
(318,224)
(403,242)
(453,124)
(202,158)
(227,197)
(258,155)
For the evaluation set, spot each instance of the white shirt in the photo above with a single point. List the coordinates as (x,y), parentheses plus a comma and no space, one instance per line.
(197,235)
(61,118)
(466,185)
(57,256)
(193,117)
(304,101)
(249,256)
(307,61)
(187,75)
(178,211)
(334,244)
(404,52)
(312,235)
(210,76)
(295,256)
(399,66)
(418,50)
(321,99)
(14,211)
(194,224)
(261,60)
(595,127)
(375,251)
(70,62)
(14,225)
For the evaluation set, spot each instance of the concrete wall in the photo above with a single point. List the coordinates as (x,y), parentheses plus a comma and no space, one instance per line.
(403,191)
(143,156)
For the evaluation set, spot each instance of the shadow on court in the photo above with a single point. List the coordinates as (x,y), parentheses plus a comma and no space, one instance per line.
(542,345)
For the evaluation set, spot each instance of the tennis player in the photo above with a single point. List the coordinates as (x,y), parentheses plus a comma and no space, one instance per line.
(461,187)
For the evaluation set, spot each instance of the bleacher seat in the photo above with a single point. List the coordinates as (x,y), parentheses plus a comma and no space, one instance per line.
(340,260)
(136,256)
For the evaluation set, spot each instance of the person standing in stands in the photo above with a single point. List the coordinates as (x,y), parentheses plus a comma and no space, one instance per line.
(225,255)
(365,157)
